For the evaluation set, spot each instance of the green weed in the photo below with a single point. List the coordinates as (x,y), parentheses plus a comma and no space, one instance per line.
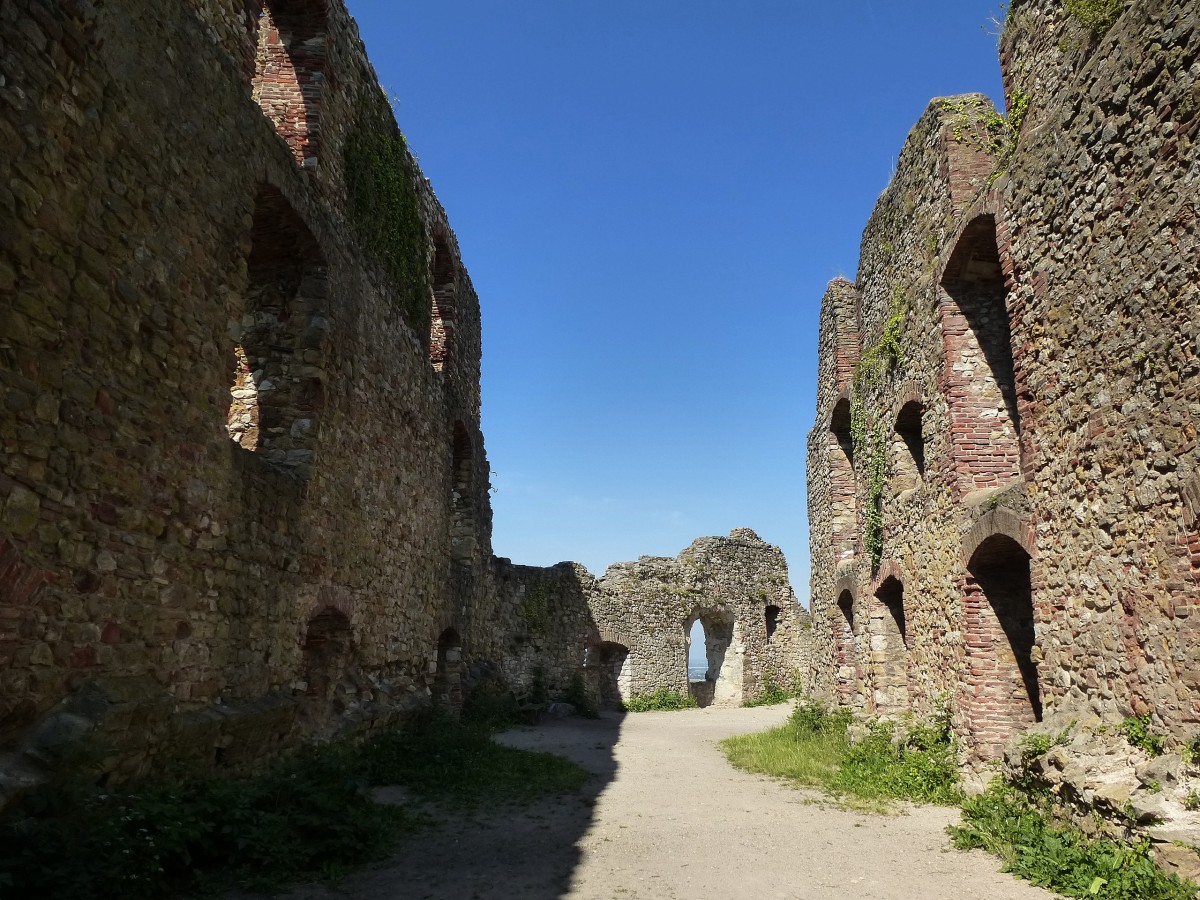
(1007,822)
(771,695)
(1137,732)
(661,699)
(1097,16)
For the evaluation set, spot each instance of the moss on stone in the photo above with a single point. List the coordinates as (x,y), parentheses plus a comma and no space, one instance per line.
(385,209)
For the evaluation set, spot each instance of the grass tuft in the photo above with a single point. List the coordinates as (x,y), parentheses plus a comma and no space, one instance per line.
(813,749)
(772,694)
(661,699)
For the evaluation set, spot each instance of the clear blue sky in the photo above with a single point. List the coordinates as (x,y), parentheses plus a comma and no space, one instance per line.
(650,197)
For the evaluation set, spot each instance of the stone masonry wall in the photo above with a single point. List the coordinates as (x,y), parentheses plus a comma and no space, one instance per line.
(628,632)
(227,570)
(737,586)
(1030,367)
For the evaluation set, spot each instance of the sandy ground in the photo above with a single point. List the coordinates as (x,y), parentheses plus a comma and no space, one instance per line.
(668,817)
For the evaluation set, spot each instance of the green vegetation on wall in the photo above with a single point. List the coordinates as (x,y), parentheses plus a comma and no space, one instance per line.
(871,444)
(385,209)
(535,608)
(1097,16)
(977,124)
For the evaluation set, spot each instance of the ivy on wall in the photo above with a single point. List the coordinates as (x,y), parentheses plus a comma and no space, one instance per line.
(871,444)
(385,209)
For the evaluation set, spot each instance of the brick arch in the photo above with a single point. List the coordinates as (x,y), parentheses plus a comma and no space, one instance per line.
(888,568)
(847,580)
(443,281)
(999,521)
(908,392)
(447,688)
(463,505)
(842,619)
(843,495)
(887,656)
(277,356)
(444,624)
(288,73)
(1189,493)
(908,437)
(978,374)
(1000,688)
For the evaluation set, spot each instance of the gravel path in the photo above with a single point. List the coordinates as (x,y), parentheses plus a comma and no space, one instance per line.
(668,817)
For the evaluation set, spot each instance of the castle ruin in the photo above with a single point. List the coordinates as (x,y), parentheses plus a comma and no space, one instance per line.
(1003,474)
(243,488)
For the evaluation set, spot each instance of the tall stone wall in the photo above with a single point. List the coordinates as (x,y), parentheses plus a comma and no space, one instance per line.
(1028,375)
(241,474)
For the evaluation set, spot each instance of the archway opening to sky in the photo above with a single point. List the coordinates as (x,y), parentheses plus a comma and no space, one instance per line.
(697,653)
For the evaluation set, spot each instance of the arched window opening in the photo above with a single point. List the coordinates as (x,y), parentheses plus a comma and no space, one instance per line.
(979,374)
(443,320)
(447,681)
(714,674)
(614,674)
(463,539)
(889,655)
(908,447)
(772,620)
(845,655)
(697,653)
(1002,694)
(277,382)
(328,650)
(289,71)
(842,500)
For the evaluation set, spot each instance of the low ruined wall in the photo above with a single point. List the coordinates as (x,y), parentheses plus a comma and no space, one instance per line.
(628,632)
(533,628)
(737,586)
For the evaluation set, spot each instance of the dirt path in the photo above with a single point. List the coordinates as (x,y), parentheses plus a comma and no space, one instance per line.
(668,817)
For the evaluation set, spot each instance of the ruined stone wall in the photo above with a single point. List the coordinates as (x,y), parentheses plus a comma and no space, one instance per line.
(737,586)
(182,215)
(628,632)
(1028,373)
(533,628)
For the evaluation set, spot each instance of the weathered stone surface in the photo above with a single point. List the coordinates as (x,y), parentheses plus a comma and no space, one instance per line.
(628,632)
(278,543)
(1020,350)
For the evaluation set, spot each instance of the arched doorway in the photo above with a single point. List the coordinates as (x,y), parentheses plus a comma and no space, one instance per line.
(612,674)
(327,653)
(447,681)
(721,684)
(1002,694)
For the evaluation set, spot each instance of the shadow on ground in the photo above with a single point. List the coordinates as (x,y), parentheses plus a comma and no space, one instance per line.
(528,851)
